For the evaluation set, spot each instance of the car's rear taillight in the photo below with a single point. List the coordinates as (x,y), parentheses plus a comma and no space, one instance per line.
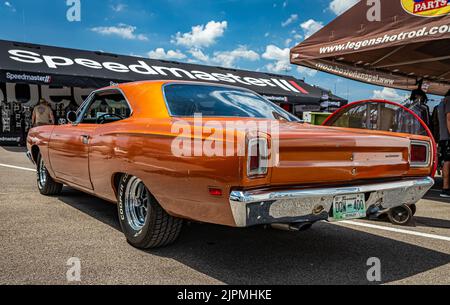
(257,157)
(420,154)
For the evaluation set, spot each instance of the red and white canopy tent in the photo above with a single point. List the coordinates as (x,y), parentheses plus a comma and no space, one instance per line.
(410,43)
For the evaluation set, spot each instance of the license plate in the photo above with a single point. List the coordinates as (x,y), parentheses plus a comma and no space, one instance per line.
(349,207)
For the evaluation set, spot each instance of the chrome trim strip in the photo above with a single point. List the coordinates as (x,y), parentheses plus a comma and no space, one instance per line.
(289,206)
(263,145)
(420,143)
(30,157)
(88,101)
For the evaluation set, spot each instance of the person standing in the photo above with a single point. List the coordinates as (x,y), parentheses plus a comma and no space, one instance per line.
(418,95)
(444,142)
(420,99)
(42,114)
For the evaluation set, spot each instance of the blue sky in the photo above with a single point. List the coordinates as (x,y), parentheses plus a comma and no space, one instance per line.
(247,34)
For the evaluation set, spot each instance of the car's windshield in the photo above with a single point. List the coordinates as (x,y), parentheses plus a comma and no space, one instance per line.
(186,100)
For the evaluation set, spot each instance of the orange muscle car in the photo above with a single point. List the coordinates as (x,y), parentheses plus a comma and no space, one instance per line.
(168,151)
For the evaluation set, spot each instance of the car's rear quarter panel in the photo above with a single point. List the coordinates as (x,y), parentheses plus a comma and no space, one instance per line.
(143,148)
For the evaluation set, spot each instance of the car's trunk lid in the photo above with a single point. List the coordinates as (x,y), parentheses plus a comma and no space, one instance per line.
(309,154)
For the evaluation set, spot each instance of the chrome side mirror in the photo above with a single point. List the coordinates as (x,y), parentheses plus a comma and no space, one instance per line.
(72,117)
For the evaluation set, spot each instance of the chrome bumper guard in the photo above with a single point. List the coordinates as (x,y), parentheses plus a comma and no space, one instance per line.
(259,207)
(30,157)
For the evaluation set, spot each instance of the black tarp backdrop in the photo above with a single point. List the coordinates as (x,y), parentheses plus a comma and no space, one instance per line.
(17,101)
(47,68)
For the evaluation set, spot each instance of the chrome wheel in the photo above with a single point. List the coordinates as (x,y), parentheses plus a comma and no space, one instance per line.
(136,203)
(42,174)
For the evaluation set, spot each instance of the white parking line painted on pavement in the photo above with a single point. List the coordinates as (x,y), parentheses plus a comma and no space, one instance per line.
(17,167)
(353,223)
(402,231)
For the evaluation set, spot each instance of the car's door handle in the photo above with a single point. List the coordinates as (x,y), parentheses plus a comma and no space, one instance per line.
(85,139)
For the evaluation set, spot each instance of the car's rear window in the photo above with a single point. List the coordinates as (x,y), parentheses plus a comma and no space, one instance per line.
(186,100)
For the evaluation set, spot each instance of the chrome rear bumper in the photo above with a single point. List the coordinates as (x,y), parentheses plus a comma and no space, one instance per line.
(258,207)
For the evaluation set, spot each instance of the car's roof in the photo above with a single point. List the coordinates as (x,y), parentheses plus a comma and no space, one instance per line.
(146,98)
(171,81)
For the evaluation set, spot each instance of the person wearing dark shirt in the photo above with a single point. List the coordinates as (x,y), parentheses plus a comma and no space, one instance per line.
(444,142)
(419,95)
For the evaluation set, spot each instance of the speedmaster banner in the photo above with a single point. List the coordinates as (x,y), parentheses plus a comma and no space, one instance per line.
(39,64)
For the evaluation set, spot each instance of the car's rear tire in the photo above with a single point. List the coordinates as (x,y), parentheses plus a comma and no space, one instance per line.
(46,185)
(143,221)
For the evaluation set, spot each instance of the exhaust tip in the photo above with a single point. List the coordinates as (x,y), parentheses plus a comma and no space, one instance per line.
(318,209)
(293,227)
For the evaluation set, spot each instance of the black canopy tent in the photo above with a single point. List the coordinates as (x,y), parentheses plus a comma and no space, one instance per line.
(65,76)
(39,64)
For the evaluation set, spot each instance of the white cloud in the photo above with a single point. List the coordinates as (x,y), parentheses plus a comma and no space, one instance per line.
(118,7)
(201,35)
(310,27)
(10,6)
(199,56)
(306,71)
(122,30)
(287,42)
(296,35)
(293,18)
(340,6)
(160,53)
(389,94)
(224,58)
(280,58)
(228,58)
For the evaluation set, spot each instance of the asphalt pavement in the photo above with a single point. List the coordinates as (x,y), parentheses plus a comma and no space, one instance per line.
(38,235)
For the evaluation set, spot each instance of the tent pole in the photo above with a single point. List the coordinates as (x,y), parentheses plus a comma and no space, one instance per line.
(387,55)
(414,62)
(445,74)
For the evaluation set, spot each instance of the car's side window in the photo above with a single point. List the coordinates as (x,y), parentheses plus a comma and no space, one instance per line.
(106,107)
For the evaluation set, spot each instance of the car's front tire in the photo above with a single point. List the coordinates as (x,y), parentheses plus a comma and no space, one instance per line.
(143,221)
(46,185)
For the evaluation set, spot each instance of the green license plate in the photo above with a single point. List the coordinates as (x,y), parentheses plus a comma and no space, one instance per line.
(349,207)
